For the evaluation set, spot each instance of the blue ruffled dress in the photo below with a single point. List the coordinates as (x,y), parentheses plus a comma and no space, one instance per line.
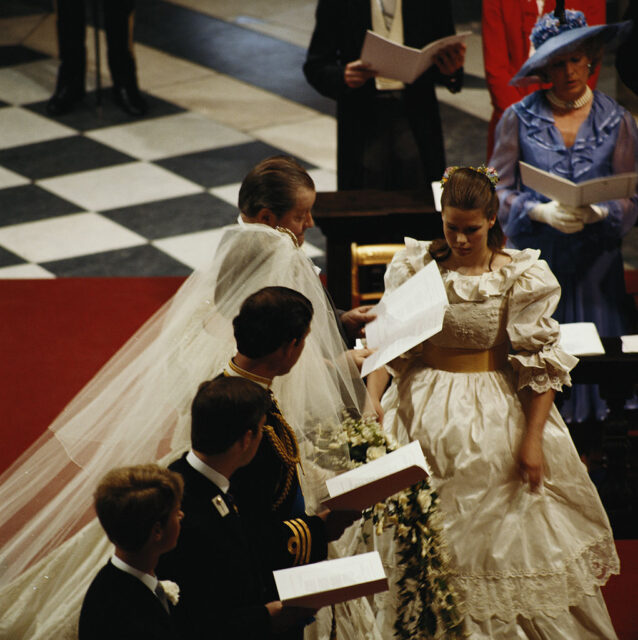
(587,264)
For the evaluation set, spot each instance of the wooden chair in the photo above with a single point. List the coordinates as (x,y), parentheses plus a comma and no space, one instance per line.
(368,262)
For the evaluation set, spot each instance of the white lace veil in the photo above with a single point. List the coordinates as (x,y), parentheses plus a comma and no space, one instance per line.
(136,410)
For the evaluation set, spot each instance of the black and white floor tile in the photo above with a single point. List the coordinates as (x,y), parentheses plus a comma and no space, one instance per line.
(97,193)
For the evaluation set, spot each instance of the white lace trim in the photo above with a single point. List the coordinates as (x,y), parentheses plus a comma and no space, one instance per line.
(474,288)
(508,595)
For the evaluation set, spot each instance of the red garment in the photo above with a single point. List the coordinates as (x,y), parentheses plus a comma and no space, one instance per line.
(506,26)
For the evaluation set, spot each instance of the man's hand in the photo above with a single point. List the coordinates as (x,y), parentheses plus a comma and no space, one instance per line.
(451,58)
(337,522)
(283,618)
(354,321)
(357,73)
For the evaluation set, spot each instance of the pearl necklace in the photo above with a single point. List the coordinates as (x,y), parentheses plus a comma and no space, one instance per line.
(569,105)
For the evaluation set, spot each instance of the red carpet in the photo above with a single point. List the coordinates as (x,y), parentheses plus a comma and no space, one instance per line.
(58,333)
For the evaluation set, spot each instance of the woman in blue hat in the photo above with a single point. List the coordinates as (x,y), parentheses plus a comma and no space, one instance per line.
(578,134)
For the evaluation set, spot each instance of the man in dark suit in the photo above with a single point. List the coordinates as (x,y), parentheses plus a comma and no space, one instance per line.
(71,29)
(223,594)
(139,508)
(388,135)
(270,331)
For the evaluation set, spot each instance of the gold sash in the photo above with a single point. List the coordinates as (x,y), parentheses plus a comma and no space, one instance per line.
(465,360)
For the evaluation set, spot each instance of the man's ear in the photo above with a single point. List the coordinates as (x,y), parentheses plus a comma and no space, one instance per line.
(157,532)
(266,216)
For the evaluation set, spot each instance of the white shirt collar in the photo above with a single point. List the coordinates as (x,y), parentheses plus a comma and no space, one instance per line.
(214,476)
(149,580)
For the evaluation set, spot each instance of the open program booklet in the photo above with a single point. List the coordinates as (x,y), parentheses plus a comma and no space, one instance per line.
(406,317)
(376,480)
(581,339)
(322,583)
(622,185)
(396,61)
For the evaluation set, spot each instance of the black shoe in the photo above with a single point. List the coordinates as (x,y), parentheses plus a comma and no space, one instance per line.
(64,99)
(130,100)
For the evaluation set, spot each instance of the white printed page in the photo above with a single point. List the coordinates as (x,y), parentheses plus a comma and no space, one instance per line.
(396,61)
(406,317)
(329,576)
(410,455)
(629,343)
(581,339)
(575,195)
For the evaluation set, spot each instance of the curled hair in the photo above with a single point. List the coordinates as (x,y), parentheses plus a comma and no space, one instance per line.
(467,189)
(129,501)
(273,184)
(269,319)
(223,410)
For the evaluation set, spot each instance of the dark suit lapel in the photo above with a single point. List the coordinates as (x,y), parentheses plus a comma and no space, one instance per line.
(202,489)
(138,591)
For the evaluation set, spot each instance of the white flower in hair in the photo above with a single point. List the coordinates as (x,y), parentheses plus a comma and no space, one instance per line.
(171,589)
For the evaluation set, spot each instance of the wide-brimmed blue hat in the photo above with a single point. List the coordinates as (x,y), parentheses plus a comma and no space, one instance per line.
(551,38)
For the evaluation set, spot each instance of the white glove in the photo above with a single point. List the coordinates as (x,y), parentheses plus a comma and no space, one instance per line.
(589,214)
(556,215)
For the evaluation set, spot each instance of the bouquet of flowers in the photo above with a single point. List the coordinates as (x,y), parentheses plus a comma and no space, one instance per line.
(427,606)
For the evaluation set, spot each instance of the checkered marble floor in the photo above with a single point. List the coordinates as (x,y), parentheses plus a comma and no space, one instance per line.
(97,193)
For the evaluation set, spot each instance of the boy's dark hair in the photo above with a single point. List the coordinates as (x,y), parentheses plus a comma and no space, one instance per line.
(130,500)
(269,319)
(273,184)
(223,410)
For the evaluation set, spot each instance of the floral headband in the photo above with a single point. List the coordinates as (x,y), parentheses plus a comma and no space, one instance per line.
(488,172)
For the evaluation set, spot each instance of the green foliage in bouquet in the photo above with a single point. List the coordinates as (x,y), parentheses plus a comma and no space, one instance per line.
(428,606)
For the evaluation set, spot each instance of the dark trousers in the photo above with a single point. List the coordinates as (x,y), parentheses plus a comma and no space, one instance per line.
(118,25)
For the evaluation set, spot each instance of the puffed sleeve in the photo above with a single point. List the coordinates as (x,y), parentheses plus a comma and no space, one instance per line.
(515,202)
(536,356)
(405,263)
(623,212)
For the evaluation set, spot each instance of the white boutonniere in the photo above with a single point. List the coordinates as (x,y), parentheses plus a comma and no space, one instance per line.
(171,589)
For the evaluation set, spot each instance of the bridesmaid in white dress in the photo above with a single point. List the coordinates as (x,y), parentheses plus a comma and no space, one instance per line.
(529,540)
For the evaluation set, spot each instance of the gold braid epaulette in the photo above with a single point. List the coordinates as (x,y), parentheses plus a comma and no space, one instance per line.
(287,449)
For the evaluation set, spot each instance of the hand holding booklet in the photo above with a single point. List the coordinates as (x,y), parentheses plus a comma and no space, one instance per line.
(393,60)
(376,480)
(614,187)
(406,317)
(321,583)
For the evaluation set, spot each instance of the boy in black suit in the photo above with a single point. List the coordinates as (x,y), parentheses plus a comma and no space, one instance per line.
(140,510)
(222,587)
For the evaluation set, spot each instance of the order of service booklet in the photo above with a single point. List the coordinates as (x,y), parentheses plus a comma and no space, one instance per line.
(622,185)
(581,339)
(322,583)
(376,480)
(393,60)
(406,317)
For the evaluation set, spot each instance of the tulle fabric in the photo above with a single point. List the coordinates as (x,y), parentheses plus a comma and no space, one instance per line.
(136,410)
(525,565)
